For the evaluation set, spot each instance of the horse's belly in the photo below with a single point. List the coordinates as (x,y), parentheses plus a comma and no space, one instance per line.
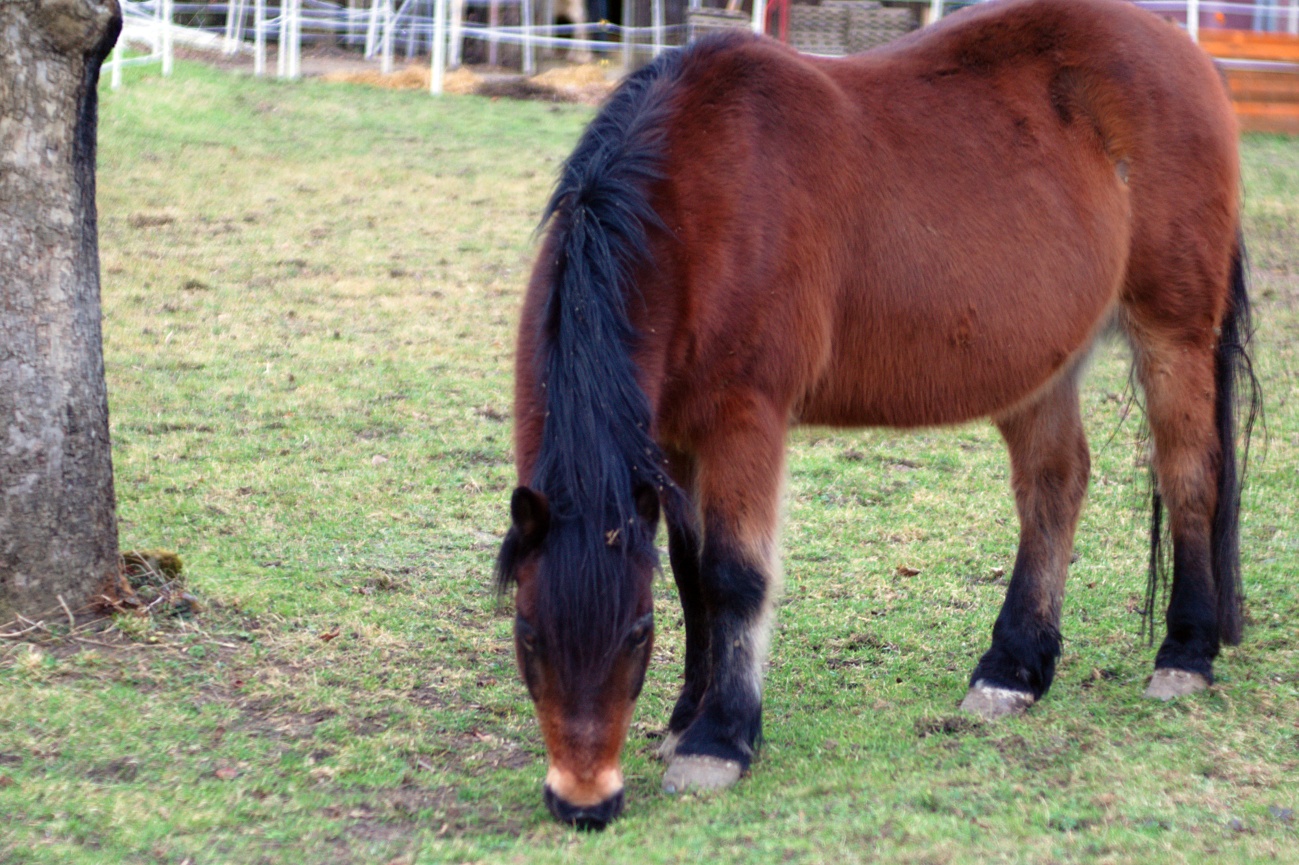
(931,392)
(975,356)
(1006,293)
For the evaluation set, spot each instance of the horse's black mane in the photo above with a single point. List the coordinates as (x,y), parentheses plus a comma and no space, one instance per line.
(597,450)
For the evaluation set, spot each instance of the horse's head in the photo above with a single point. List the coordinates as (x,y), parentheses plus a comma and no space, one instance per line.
(583,635)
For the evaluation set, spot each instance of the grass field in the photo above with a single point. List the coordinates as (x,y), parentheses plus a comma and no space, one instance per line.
(309,295)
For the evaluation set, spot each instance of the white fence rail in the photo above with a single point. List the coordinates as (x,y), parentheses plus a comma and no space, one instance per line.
(437,28)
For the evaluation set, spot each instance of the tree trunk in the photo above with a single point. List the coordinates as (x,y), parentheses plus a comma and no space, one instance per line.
(58,529)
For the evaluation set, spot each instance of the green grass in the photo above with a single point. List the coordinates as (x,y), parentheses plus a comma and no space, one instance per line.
(309,296)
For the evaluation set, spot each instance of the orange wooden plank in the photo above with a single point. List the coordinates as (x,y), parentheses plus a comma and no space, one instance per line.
(1268,117)
(1247,45)
(1263,87)
(1264,100)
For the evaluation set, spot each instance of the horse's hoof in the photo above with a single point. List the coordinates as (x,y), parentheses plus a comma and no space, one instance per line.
(668,747)
(1167,684)
(990,702)
(697,772)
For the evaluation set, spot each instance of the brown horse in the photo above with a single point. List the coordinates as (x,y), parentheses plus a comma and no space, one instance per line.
(930,233)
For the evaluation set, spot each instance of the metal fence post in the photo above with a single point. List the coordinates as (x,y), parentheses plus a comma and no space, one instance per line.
(295,44)
(116,64)
(439,46)
(372,29)
(529,48)
(168,58)
(628,37)
(457,33)
(385,40)
(259,37)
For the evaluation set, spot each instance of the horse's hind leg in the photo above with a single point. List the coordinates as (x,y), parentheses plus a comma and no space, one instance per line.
(1178,378)
(1049,467)
(740,467)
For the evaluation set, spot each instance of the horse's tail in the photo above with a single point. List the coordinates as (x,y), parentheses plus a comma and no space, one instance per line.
(1238,403)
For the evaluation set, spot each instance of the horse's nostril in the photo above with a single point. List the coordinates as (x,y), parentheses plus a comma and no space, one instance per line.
(591,818)
(589,824)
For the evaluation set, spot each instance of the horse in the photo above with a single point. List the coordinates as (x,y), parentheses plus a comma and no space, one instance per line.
(929,233)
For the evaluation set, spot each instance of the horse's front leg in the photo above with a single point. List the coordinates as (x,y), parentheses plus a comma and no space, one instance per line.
(684,552)
(1049,468)
(738,479)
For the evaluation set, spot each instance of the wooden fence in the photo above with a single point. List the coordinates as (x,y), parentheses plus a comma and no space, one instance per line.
(1262,72)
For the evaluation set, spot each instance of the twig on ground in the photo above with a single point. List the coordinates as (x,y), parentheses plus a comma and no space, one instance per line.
(41,624)
(88,625)
(72,620)
(117,607)
(16,634)
(164,594)
(108,645)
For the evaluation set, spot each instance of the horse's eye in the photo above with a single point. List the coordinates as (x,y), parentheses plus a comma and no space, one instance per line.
(640,632)
(526,633)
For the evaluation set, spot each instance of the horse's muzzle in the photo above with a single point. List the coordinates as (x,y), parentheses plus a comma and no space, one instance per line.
(590,818)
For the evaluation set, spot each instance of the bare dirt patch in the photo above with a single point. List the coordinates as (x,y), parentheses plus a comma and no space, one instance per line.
(466,753)
(952,725)
(119,771)
(388,815)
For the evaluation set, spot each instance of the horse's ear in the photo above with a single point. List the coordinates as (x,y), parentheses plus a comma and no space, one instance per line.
(647,504)
(531,515)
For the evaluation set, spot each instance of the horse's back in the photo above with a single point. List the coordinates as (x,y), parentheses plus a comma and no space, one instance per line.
(1160,113)
(930,232)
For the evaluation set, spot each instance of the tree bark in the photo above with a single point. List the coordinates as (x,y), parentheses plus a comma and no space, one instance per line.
(58,527)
